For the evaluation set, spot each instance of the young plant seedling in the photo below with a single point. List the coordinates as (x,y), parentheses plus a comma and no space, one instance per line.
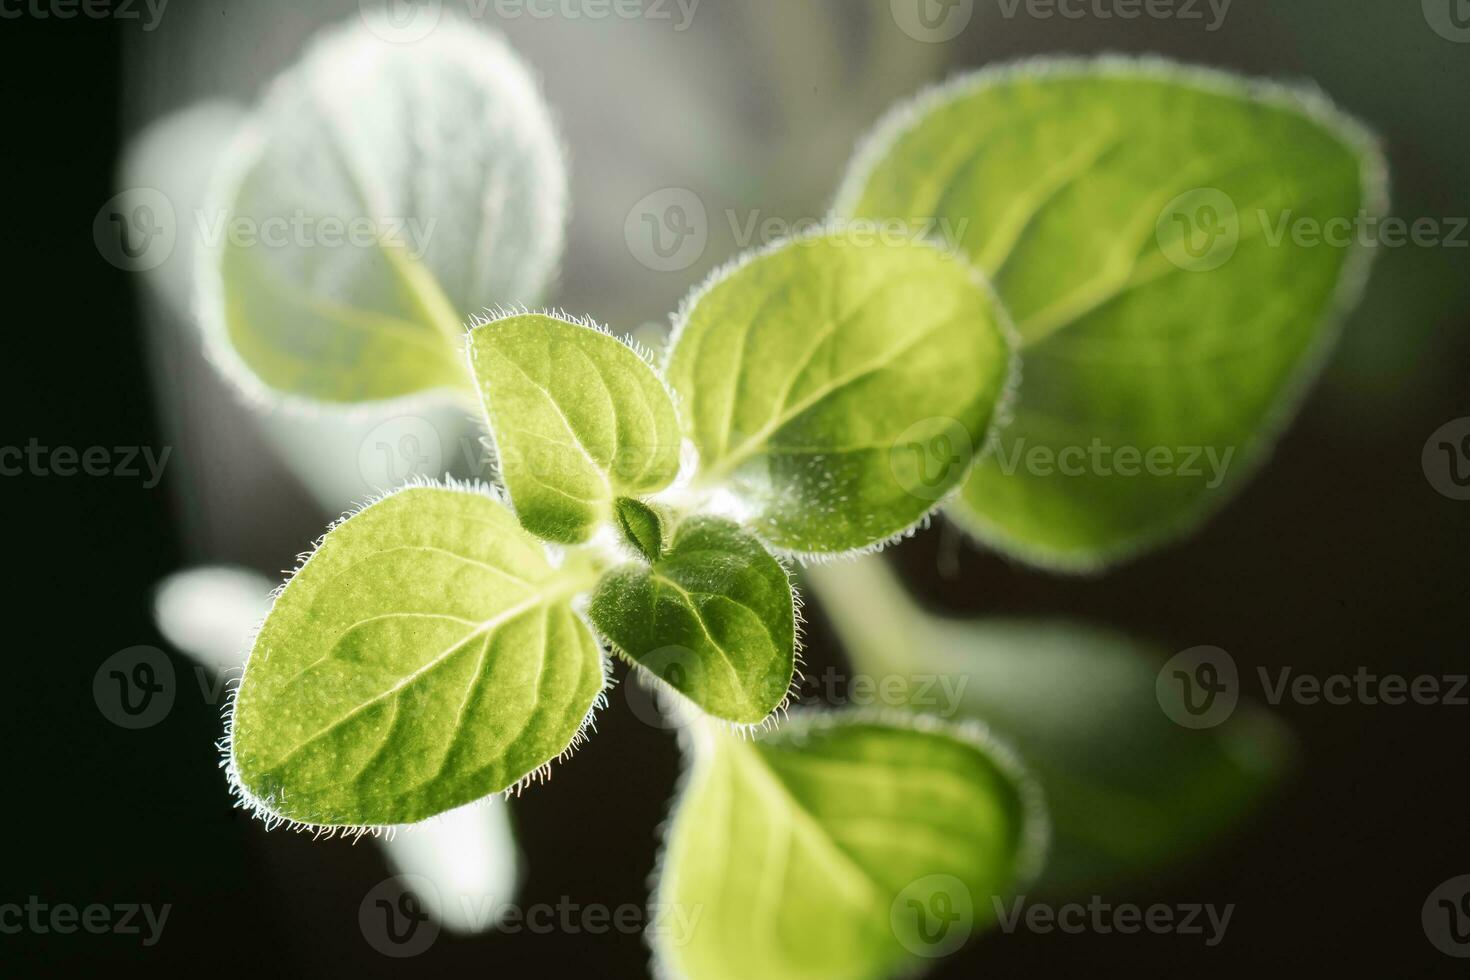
(817,399)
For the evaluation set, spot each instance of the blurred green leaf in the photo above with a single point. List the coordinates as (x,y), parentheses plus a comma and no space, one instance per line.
(1128,789)
(840,846)
(1138,221)
(380,194)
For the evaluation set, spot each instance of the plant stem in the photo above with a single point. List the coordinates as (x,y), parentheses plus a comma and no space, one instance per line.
(874,616)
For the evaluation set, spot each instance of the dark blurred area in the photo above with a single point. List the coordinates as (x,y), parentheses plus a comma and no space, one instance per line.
(1338,554)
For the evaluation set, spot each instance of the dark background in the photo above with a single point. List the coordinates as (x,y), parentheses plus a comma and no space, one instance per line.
(1338,554)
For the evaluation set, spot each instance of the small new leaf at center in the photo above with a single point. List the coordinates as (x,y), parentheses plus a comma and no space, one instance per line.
(714,618)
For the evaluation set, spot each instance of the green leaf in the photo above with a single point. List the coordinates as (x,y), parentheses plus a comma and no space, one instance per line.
(839,389)
(840,846)
(424,656)
(714,618)
(380,194)
(578,419)
(1129,790)
(1128,213)
(642,526)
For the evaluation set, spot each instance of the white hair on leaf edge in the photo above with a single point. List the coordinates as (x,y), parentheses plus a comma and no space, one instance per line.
(262,807)
(489,58)
(697,742)
(1304,98)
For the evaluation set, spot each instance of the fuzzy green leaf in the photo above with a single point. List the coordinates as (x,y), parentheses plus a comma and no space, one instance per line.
(840,846)
(578,418)
(380,194)
(713,618)
(424,656)
(1129,790)
(1130,215)
(838,388)
(642,526)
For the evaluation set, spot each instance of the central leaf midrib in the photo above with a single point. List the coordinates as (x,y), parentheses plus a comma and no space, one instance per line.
(483,628)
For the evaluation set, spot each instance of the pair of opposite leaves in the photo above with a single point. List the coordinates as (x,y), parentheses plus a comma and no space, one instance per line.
(371,703)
